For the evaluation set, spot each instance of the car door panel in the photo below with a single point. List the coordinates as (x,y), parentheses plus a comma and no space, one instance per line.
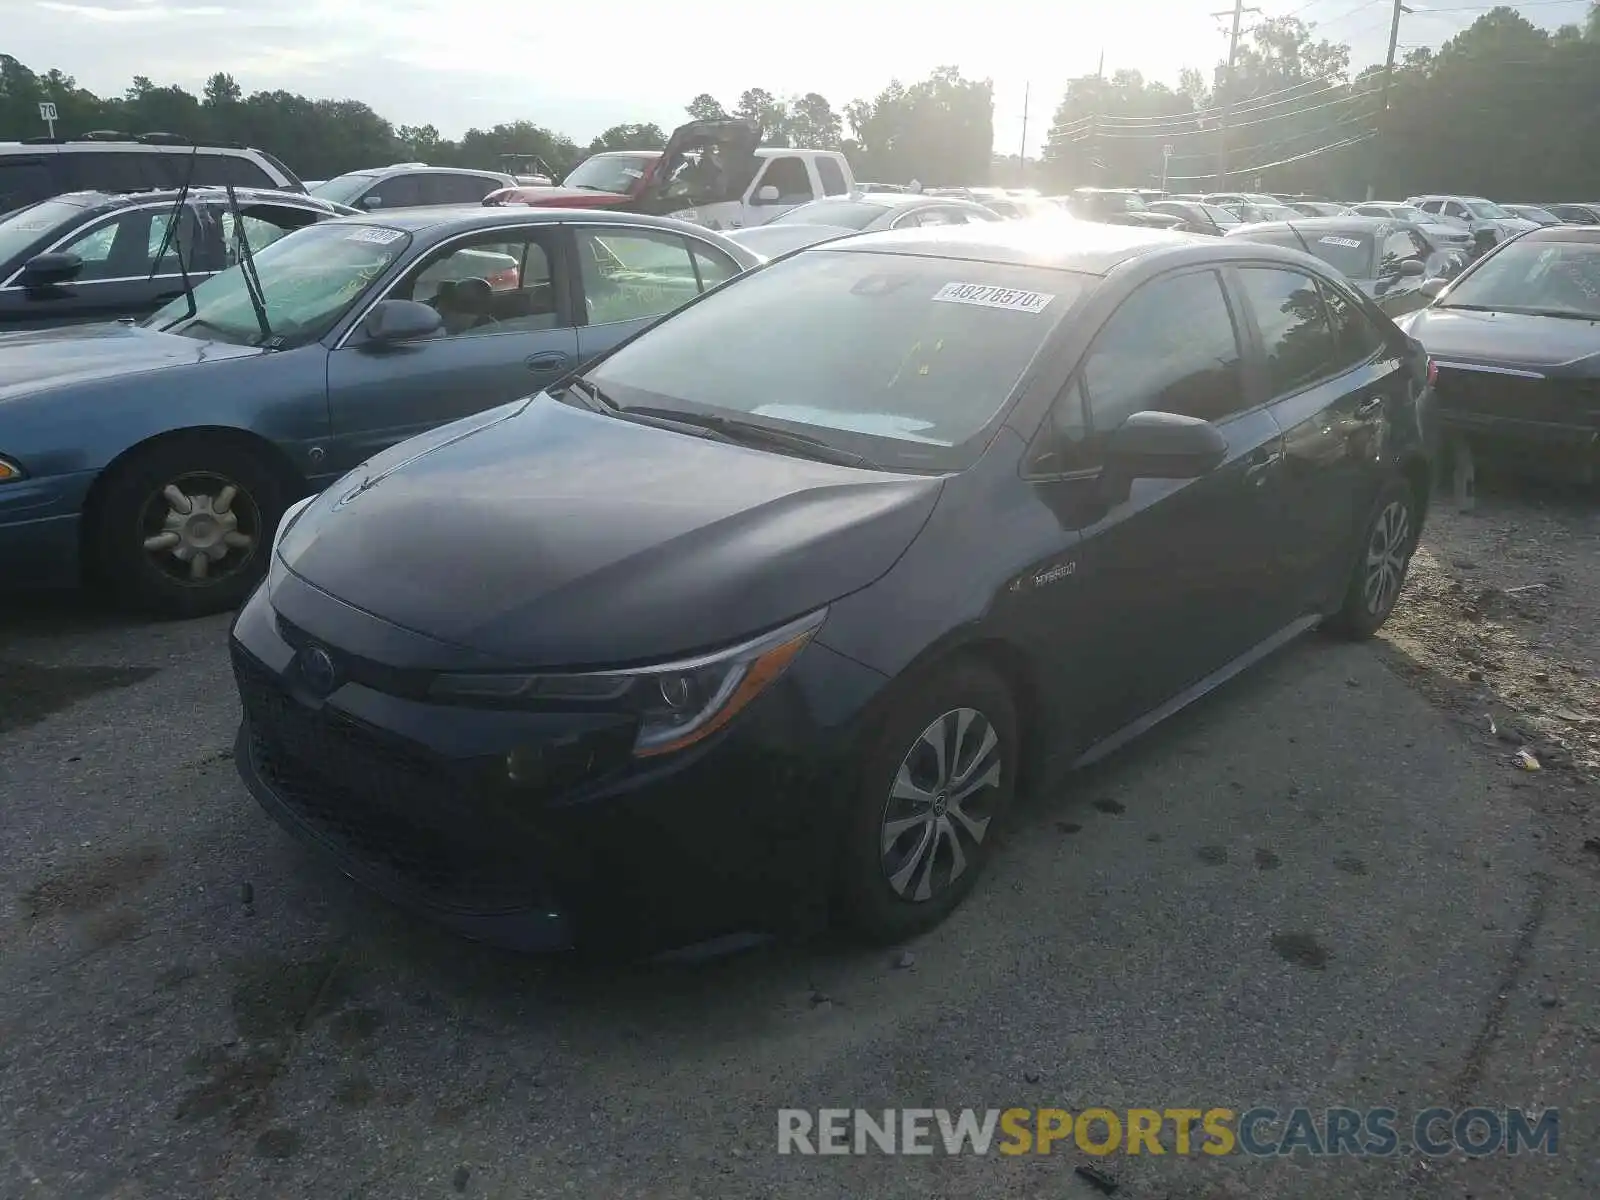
(497,350)
(1335,407)
(1177,578)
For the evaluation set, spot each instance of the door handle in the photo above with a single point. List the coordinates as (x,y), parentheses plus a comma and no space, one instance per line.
(1256,473)
(553,360)
(1369,407)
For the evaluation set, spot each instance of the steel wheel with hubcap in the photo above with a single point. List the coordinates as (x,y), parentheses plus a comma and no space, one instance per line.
(182,527)
(201,528)
(935,781)
(1380,571)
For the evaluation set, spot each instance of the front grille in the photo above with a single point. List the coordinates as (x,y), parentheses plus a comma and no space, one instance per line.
(437,831)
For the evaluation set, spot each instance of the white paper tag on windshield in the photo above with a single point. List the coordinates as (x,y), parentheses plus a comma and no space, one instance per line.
(1351,243)
(987,296)
(375,234)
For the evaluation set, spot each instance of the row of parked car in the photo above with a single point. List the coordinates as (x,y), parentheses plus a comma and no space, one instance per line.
(557,532)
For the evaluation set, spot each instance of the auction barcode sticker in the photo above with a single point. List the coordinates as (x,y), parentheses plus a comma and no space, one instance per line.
(1352,243)
(375,234)
(987,296)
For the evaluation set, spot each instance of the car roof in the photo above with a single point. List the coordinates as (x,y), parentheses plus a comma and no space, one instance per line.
(404,169)
(893,200)
(1587,234)
(1353,224)
(466,217)
(1083,246)
(107,201)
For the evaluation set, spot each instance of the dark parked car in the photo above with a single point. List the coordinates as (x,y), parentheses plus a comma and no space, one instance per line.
(1116,206)
(769,611)
(841,216)
(158,457)
(1535,213)
(1517,343)
(1388,260)
(89,256)
(1196,217)
(1577,214)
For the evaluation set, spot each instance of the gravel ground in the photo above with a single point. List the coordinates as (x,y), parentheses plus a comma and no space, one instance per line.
(1328,884)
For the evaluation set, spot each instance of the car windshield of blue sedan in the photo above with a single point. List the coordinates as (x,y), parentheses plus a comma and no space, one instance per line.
(309,279)
(1558,279)
(28,225)
(896,358)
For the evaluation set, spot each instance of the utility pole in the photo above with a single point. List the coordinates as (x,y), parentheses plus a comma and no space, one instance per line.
(1383,101)
(1227,84)
(1022,156)
(1095,168)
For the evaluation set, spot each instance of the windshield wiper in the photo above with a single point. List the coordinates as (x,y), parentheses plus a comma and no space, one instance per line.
(750,433)
(1564,314)
(1471,307)
(247,268)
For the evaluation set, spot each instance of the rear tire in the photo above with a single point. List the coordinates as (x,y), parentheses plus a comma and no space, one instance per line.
(1387,543)
(933,787)
(178,501)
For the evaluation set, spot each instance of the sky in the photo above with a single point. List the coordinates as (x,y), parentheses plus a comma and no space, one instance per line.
(579,68)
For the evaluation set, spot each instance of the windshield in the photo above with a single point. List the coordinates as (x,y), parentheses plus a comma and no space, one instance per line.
(1407,212)
(1486,211)
(1220,215)
(310,278)
(29,225)
(903,360)
(1536,214)
(1348,253)
(1534,277)
(609,173)
(344,189)
(844,214)
(1277,212)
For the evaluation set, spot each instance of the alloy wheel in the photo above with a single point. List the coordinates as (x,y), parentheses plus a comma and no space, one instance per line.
(1388,551)
(200,529)
(940,804)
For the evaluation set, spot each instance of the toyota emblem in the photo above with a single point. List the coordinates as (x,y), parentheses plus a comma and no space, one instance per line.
(316,667)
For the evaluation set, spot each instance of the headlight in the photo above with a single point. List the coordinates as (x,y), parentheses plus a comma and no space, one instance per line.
(677,703)
(9,470)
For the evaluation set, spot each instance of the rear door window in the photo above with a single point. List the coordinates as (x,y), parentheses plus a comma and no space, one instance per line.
(221,169)
(457,189)
(629,274)
(113,171)
(1297,342)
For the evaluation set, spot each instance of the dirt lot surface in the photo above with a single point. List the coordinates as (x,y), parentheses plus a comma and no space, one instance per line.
(1328,884)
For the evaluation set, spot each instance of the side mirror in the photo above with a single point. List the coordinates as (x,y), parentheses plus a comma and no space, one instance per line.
(394,321)
(767,195)
(1411,268)
(1435,287)
(47,270)
(372,202)
(1159,445)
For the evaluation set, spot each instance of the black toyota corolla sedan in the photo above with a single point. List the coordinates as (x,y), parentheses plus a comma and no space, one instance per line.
(768,613)
(1517,343)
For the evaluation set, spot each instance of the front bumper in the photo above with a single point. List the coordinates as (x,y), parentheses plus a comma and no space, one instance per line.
(537,830)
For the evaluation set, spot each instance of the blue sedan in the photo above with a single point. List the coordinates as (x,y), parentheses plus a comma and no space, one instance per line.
(157,458)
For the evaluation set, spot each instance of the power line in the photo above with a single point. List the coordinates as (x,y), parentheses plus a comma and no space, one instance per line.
(1247,105)
(1279,143)
(1282,162)
(1179,133)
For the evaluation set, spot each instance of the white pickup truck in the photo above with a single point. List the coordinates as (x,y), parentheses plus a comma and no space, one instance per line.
(715,173)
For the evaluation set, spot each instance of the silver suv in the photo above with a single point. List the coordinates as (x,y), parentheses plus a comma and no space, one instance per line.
(38,168)
(1475,214)
(412,185)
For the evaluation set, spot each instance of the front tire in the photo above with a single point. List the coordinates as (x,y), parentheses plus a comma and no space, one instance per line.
(933,786)
(183,528)
(1387,544)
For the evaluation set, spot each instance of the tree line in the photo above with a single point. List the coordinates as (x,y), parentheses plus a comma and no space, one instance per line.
(1504,108)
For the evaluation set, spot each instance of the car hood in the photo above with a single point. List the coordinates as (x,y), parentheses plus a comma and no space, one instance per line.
(1508,339)
(553,536)
(44,359)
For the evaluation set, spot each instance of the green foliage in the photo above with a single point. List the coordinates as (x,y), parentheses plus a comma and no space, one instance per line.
(1504,109)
